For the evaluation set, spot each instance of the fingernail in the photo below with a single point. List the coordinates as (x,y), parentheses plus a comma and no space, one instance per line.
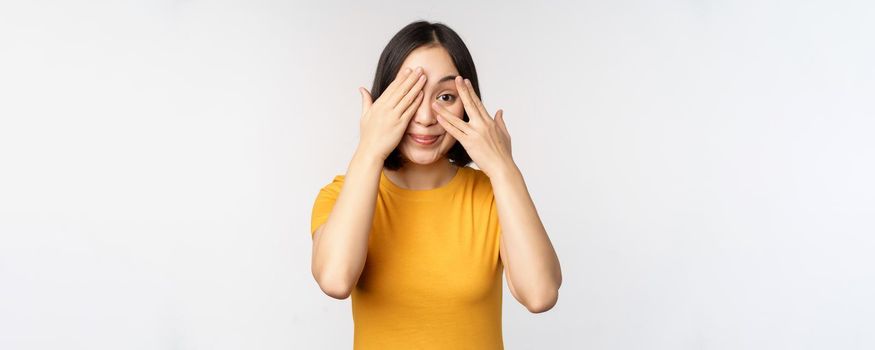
(407,70)
(467,82)
(418,69)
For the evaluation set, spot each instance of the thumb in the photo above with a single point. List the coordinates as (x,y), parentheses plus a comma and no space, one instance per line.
(367,101)
(499,116)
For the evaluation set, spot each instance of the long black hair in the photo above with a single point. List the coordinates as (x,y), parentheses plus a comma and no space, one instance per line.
(412,36)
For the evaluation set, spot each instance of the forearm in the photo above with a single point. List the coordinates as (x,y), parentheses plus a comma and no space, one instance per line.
(535,272)
(340,253)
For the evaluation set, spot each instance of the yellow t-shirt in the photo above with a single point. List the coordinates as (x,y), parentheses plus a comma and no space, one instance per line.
(433,275)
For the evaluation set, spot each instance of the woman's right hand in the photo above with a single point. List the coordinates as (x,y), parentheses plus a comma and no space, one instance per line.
(384,122)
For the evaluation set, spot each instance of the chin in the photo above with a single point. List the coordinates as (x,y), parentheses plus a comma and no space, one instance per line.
(421,158)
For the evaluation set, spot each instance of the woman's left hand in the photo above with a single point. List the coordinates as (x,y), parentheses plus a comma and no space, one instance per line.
(485,139)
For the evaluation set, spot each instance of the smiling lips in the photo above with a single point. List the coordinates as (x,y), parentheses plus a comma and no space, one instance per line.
(424,139)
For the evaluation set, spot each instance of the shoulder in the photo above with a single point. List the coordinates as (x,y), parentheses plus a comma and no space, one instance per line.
(334,185)
(480,182)
(478,175)
(338,179)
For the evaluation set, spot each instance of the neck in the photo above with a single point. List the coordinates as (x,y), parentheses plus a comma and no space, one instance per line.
(414,176)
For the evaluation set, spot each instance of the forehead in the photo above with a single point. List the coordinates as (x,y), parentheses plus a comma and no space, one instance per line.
(434,60)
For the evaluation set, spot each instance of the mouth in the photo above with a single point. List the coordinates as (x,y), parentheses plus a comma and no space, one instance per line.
(424,140)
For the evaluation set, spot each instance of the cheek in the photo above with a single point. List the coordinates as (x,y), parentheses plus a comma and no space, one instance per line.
(458,110)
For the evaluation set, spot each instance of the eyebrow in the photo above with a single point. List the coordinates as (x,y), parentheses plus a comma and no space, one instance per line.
(449,77)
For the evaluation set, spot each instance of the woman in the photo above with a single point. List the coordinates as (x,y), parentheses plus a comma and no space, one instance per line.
(410,231)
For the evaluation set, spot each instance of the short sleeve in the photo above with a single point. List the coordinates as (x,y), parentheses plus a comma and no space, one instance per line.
(494,226)
(324,203)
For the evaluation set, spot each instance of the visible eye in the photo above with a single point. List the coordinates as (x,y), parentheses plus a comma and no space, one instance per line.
(449,97)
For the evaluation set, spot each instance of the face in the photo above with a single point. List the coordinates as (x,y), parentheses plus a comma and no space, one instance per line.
(439,70)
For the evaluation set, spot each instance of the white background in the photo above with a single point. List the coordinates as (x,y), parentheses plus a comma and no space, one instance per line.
(704,168)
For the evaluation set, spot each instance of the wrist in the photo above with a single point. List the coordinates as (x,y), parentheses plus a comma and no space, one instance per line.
(364,156)
(504,172)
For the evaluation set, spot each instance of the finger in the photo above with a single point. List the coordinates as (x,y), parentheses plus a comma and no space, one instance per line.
(405,117)
(451,129)
(398,93)
(476,99)
(453,120)
(412,94)
(499,117)
(367,100)
(470,107)
(399,78)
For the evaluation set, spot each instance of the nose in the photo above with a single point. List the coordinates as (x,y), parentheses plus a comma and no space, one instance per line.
(425,115)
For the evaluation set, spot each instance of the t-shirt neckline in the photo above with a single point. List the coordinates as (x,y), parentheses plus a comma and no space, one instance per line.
(423,194)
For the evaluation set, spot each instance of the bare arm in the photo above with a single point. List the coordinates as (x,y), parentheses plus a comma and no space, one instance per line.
(536,275)
(340,246)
